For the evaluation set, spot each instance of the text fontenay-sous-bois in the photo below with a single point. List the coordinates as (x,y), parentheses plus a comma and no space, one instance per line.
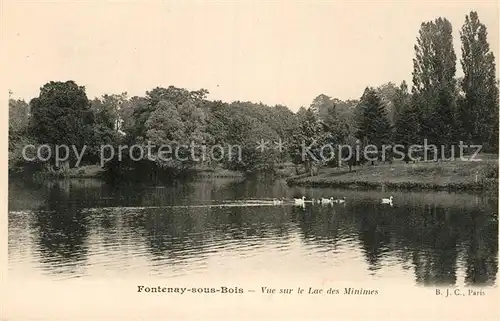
(261,290)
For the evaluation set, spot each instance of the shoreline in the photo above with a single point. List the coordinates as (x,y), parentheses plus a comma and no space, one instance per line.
(491,186)
(424,176)
(97,172)
(447,176)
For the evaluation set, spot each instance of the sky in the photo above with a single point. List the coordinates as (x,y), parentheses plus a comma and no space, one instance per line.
(276,52)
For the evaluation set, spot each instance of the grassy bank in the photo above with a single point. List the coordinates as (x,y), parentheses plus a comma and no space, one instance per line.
(452,175)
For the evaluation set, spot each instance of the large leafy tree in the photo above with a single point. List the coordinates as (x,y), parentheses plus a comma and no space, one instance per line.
(175,96)
(107,120)
(182,127)
(107,110)
(134,112)
(244,124)
(248,134)
(479,106)
(282,121)
(218,119)
(241,126)
(61,115)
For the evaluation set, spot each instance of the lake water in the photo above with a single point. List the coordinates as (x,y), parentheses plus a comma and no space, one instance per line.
(226,229)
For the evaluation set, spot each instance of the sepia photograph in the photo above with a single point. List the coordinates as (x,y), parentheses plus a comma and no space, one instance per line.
(250,160)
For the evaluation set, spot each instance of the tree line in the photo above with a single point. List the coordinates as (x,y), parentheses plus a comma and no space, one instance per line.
(438,107)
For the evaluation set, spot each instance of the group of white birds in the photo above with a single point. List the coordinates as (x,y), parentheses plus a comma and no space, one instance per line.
(301,201)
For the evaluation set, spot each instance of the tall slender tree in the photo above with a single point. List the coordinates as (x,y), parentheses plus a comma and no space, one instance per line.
(309,133)
(434,83)
(479,107)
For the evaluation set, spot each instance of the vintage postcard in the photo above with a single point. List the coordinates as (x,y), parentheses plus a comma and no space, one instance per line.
(250,160)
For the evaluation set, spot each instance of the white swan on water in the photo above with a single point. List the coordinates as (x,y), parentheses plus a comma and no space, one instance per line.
(339,201)
(387,200)
(300,201)
(326,200)
(277,201)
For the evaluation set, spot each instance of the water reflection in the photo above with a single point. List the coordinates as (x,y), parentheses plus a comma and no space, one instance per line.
(62,231)
(86,228)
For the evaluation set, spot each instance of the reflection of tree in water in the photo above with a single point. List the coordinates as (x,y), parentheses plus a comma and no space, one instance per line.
(24,194)
(325,225)
(242,223)
(62,230)
(144,195)
(482,250)
(236,225)
(171,232)
(435,236)
(181,192)
(107,224)
(434,239)
(177,234)
(430,237)
(374,233)
(305,219)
